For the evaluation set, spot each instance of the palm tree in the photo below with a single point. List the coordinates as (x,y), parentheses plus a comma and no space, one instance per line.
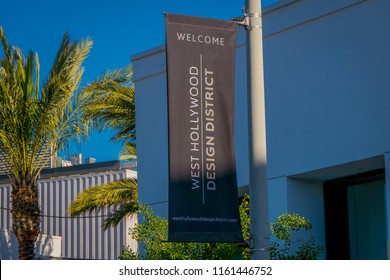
(36,120)
(111,105)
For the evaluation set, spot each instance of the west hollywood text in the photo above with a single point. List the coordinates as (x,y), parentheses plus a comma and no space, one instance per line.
(202,128)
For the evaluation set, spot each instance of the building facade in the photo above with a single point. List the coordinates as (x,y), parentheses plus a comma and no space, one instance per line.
(64,237)
(327,91)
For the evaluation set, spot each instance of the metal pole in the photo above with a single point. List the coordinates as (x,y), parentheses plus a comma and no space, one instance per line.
(258,189)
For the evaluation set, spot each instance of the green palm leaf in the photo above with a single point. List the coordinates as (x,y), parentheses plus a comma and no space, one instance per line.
(129,152)
(125,210)
(122,194)
(111,103)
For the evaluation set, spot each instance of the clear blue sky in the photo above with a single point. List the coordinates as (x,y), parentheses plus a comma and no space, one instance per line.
(119,29)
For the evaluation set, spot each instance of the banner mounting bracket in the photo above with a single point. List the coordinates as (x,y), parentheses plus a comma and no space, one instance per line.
(242,21)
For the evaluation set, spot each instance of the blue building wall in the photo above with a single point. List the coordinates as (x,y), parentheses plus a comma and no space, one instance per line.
(326,66)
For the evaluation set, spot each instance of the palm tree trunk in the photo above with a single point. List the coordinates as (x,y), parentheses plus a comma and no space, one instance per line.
(26,218)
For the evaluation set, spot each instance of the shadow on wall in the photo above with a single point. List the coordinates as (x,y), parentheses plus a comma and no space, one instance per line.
(8,245)
(46,246)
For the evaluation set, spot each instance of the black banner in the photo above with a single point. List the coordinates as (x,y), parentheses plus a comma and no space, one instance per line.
(203,200)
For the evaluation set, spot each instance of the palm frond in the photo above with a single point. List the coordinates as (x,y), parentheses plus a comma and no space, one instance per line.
(129,152)
(111,103)
(60,99)
(7,50)
(36,121)
(125,210)
(112,194)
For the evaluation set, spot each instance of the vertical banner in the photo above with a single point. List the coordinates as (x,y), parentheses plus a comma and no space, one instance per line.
(203,200)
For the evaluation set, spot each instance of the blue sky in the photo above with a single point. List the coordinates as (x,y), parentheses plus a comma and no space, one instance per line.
(119,29)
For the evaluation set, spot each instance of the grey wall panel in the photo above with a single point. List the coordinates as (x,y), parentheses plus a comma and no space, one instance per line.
(82,237)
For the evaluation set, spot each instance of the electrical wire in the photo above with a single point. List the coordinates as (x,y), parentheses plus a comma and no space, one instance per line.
(82,217)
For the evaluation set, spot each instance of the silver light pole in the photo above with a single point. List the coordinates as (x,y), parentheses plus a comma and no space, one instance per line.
(258,189)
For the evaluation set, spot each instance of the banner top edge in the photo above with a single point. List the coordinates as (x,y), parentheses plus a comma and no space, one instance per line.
(201,21)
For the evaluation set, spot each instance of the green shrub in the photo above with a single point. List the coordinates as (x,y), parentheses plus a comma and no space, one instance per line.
(287,249)
(153,233)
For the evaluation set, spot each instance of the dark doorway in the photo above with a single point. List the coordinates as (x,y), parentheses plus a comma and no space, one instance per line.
(355,217)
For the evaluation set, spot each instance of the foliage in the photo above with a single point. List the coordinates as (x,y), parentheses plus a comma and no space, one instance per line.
(245,224)
(111,103)
(122,194)
(286,223)
(36,120)
(129,152)
(128,254)
(287,249)
(153,233)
